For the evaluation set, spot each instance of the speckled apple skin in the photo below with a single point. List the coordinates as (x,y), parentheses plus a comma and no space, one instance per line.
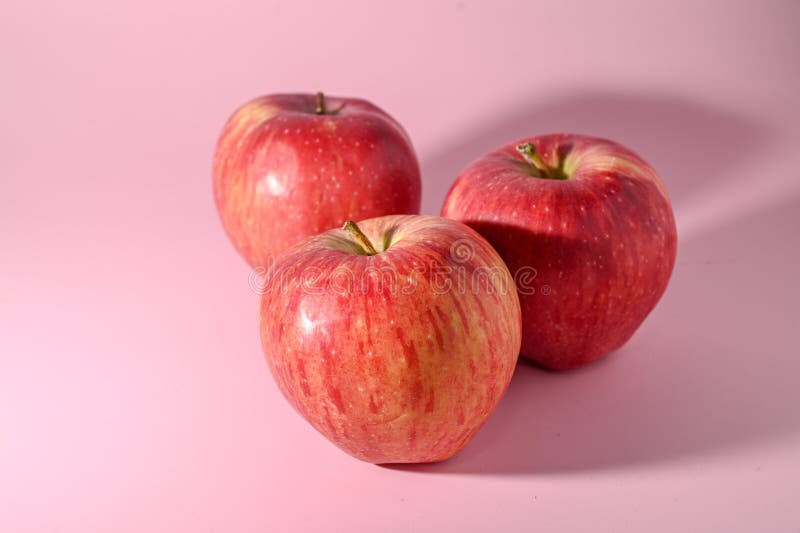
(602,243)
(403,375)
(281,172)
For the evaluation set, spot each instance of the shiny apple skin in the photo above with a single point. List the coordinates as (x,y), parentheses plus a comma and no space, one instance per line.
(403,373)
(602,243)
(281,172)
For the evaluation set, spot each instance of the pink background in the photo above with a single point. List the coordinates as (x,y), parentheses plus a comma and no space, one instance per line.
(133,393)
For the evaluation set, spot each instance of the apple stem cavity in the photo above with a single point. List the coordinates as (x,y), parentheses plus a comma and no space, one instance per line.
(320,110)
(532,157)
(352,228)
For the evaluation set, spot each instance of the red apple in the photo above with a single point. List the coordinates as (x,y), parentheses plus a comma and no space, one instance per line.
(395,338)
(288,166)
(585,226)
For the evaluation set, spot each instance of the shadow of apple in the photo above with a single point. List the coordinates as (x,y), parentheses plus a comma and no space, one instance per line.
(690,144)
(713,368)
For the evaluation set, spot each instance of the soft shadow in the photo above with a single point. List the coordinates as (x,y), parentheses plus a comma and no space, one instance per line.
(713,369)
(692,145)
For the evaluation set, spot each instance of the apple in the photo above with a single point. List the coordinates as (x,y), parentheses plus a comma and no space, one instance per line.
(586,228)
(288,166)
(395,337)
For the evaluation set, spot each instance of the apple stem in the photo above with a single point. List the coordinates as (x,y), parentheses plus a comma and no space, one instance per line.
(531,155)
(320,103)
(362,239)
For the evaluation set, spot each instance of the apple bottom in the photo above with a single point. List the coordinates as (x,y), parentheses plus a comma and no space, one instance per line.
(580,298)
(411,381)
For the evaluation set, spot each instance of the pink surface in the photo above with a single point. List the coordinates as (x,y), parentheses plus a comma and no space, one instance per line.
(133,392)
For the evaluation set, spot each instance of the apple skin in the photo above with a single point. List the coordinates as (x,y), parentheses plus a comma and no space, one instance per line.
(392,373)
(282,172)
(602,243)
